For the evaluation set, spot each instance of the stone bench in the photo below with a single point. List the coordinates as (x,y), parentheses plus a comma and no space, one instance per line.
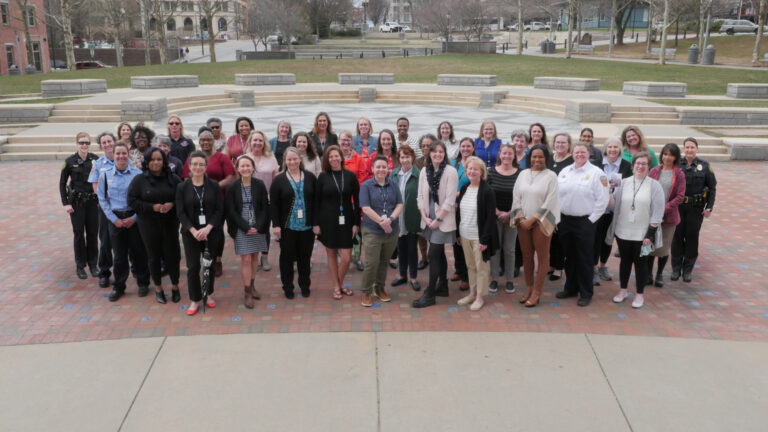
(654,89)
(668,52)
(722,116)
(366,78)
(143,109)
(25,113)
(490,98)
(467,80)
(265,79)
(74,87)
(244,97)
(585,48)
(567,83)
(588,110)
(747,148)
(164,81)
(747,91)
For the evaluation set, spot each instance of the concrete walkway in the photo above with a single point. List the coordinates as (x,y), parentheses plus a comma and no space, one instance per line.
(387,382)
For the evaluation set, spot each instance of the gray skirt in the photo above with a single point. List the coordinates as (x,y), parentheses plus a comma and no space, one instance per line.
(437,236)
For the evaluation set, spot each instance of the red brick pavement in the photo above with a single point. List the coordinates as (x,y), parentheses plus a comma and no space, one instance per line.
(42,300)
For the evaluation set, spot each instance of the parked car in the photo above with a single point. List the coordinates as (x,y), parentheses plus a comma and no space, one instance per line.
(59,64)
(91,64)
(738,26)
(390,27)
(513,27)
(537,25)
(405,28)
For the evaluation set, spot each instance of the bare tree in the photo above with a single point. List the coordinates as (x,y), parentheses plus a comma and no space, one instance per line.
(665,26)
(569,41)
(322,12)
(437,15)
(61,15)
(260,22)
(162,11)
(471,14)
(377,10)
(520,27)
(760,24)
(146,13)
(25,9)
(115,13)
(289,18)
(622,12)
(209,9)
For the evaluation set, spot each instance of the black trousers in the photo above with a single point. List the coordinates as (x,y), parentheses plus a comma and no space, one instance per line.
(105,246)
(161,239)
(630,255)
(602,251)
(685,243)
(438,267)
(577,237)
(408,254)
(459,262)
(193,253)
(556,256)
(85,227)
(295,246)
(125,241)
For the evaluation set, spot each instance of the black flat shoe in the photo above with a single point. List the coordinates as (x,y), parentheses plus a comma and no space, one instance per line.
(160,297)
(424,301)
(659,282)
(104,282)
(565,294)
(360,266)
(583,301)
(115,295)
(686,277)
(398,282)
(393,264)
(422,265)
(305,292)
(675,275)
(143,291)
(175,296)
(416,286)
(289,295)
(554,277)
(94,271)
(82,274)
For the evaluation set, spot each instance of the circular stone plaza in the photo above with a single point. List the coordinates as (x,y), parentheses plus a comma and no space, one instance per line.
(693,358)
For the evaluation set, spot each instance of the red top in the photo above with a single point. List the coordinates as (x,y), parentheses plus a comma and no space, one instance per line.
(369,166)
(357,165)
(676,194)
(236,146)
(219,167)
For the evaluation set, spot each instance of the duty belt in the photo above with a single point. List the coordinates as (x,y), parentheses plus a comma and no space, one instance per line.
(694,199)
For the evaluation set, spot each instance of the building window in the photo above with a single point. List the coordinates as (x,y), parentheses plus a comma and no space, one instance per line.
(5,14)
(152,24)
(29,16)
(222,24)
(170,25)
(9,55)
(204,24)
(222,6)
(188,24)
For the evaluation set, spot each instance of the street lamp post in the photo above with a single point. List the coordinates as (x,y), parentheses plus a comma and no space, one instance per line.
(363,25)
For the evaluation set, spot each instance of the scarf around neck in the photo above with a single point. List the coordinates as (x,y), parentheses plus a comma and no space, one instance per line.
(433,179)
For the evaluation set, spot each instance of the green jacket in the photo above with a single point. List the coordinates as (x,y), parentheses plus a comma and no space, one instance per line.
(411,211)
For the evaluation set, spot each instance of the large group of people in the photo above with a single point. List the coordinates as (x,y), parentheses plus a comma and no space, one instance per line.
(384,200)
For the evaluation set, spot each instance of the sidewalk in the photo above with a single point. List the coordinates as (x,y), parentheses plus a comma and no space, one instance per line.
(387,382)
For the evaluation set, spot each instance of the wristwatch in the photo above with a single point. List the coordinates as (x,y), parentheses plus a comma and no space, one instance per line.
(439,220)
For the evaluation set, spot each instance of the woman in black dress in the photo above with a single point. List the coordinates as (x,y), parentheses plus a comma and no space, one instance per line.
(152,195)
(338,215)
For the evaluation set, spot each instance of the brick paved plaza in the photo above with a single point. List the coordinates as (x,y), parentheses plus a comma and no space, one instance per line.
(42,300)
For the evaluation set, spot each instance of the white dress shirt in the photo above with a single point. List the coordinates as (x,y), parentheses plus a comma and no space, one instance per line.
(583,191)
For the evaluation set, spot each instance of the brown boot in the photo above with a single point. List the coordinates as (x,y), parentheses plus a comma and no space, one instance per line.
(248,298)
(255,294)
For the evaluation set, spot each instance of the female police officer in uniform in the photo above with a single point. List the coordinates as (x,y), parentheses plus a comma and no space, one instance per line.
(80,202)
(699,200)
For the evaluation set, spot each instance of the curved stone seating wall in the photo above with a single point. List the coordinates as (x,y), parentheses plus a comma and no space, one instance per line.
(23,113)
(655,89)
(747,91)
(164,81)
(243,97)
(747,148)
(265,79)
(144,108)
(723,116)
(588,110)
(366,78)
(467,80)
(566,83)
(75,87)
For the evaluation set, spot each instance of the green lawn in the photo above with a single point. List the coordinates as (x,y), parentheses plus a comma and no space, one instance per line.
(511,70)
(712,102)
(41,101)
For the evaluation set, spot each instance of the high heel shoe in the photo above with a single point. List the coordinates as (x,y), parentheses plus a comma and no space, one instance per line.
(175,296)
(534,299)
(191,311)
(527,295)
(530,303)
(160,297)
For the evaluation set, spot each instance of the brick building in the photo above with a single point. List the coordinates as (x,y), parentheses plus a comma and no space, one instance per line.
(13,39)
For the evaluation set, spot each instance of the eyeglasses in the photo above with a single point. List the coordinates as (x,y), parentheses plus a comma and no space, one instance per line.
(215,127)
(84,143)
(174,123)
(197,165)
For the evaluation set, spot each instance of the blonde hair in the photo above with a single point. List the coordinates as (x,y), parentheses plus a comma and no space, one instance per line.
(482,126)
(357,126)
(477,160)
(181,124)
(267,151)
(80,135)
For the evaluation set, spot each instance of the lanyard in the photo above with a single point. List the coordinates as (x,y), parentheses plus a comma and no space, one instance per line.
(384,195)
(299,191)
(636,190)
(200,197)
(340,190)
(487,153)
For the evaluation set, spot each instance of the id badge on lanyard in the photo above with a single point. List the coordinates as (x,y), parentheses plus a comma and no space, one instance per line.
(201,219)
(300,213)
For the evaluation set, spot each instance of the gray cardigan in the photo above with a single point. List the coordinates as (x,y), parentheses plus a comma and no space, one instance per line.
(657,210)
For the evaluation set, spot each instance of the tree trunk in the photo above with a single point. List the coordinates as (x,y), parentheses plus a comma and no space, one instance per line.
(212,48)
(118,49)
(648,30)
(68,47)
(147,37)
(613,24)
(568,41)
(760,23)
(520,27)
(161,44)
(662,57)
(702,17)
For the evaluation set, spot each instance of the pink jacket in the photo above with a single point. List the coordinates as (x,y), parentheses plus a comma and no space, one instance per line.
(449,184)
(676,195)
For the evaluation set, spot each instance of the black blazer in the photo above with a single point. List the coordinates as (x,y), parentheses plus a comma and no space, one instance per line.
(625,168)
(330,139)
(233,205)
(147,190)
(486,217)
(327,201)
(188,206)
(281,196)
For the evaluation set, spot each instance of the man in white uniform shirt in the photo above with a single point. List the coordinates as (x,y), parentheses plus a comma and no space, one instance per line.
(583,196)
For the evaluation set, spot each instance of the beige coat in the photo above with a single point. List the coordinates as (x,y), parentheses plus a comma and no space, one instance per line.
(449,186)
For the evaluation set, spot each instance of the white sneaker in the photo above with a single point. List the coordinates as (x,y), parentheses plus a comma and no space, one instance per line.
(637,303)
(618,298)
(466,300)
(477,304)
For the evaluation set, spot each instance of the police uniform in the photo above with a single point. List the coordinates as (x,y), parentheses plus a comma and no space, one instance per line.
(583,200)
(700,184)
(77,192)
(102,165)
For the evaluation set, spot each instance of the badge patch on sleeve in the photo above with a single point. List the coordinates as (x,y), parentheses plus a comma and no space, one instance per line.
(604,181)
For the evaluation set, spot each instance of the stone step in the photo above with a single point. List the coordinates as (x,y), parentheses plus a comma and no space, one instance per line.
(475,95)
(703,141)
(447,102)
(633,108)
(642,115)
(306,101)
(87,113)
(43,147)
(35,156)
(85,119)
(206,107)
(427,99)
(173,107)
(653,121)
(25,139)
(517,97)
(84,107)
(312,94)
(180,99)
(545,111)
